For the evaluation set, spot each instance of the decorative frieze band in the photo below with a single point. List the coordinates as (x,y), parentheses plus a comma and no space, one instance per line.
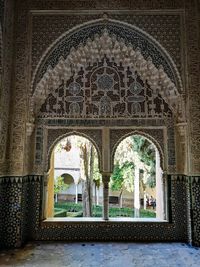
(20,179)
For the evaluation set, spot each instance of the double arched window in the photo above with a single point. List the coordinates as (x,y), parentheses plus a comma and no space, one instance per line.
(76,187)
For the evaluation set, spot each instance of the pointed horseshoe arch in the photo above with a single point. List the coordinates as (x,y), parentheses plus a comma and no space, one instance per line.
(120,42)
(77,133)
(148,137)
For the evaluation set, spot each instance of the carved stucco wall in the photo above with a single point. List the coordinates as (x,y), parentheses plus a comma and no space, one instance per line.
(6,60)
(23,48)
(193,85)
(1,49)
(31,47)
(1,37)
(175,25)
(193,69)
(131,101)
(166,29)
(56,110)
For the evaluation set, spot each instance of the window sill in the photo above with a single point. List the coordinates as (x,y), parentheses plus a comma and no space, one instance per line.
(111,220)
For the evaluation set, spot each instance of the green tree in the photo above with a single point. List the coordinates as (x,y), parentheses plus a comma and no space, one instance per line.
(59,186)
(89,171)
(122,177)
(87,156)
(90,174)
(146,153)
(131,151)
(117,178)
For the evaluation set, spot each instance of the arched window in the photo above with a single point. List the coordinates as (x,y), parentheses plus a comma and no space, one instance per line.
(75,187)
(74,183)
(136,183)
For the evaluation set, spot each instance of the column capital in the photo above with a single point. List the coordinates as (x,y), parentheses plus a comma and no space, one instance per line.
(106,180)
(106,176)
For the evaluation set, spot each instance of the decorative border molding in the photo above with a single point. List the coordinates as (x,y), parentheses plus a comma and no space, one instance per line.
(86,26)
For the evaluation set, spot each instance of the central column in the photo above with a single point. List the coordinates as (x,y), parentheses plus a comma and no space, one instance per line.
(106,180)
(137,192)
(106,170)
(159,188)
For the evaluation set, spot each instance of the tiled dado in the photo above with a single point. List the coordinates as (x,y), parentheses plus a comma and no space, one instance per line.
(195,209)
(19,209)
(20,212)
(175,230)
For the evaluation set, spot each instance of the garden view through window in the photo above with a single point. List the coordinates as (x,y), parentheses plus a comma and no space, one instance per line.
(135,189)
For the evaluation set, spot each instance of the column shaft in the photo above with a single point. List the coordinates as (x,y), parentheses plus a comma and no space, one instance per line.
(106,179)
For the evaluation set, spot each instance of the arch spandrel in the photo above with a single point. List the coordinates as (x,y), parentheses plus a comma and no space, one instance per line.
(154,65)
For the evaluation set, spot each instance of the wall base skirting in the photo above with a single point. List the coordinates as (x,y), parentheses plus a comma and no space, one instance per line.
(21,209)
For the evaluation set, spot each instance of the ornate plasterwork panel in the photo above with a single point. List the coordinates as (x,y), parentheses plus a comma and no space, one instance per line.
(105,90)
(2,140)
(164,27)
(1,52)
(18,129)
(40,19)
(2,6)
(161,30)
(1,57)
(6,50)
(131,36)
(106,47)
(193,54)
(104,4)
(19,96)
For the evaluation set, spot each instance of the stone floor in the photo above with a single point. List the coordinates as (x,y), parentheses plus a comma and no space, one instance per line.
(102,254)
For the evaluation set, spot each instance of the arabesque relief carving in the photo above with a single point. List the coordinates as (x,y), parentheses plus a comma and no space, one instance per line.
(104,49)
